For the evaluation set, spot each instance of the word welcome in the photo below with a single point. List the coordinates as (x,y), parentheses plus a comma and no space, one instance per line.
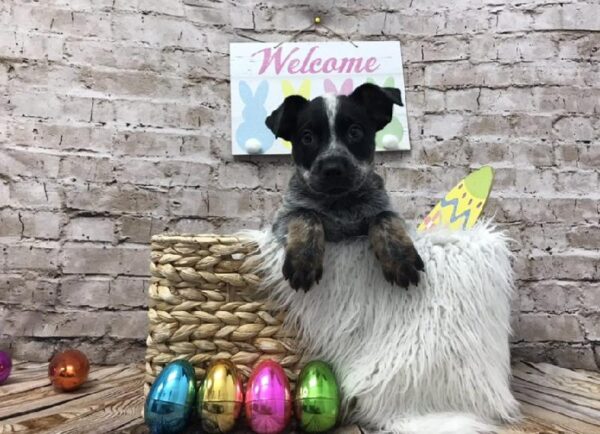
(311,63)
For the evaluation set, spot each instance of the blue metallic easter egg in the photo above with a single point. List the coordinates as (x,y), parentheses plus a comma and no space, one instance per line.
(170,401)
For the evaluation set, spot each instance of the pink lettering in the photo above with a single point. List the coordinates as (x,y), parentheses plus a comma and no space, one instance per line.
(310,63)
(371,64)
(314,66)
(268,58)
(329,65)
(293,66)
(307,59)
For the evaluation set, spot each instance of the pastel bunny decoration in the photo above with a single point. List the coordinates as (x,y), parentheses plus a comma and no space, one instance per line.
(345,89)
(390,137)
(252,134)
(288,89)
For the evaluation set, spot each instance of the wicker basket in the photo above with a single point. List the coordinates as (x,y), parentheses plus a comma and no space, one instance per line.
(202,307)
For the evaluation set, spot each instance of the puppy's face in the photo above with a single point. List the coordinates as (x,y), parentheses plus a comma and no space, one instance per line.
(333,137)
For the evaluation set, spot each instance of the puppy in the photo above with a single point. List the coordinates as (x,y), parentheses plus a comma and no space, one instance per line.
(335,193)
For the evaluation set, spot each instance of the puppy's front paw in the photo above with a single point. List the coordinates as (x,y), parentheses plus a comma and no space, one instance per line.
(395,250)
(302,268)
(401,263)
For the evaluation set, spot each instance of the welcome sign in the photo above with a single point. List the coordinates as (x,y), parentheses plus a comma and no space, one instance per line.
(264,74)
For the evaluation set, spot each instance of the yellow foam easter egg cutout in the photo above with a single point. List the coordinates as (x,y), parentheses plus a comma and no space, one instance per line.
(462,206)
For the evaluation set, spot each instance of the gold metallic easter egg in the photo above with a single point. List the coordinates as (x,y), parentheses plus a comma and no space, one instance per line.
(220,397)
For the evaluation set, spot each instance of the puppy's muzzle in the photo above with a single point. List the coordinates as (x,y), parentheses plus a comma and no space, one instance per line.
(333,171)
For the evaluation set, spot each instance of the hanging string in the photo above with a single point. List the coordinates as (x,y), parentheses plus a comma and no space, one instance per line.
(317,21)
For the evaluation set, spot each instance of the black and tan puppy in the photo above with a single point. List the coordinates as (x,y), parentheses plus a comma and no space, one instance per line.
(334,192)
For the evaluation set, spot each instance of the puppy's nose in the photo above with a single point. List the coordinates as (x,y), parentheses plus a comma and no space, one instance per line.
(333,167)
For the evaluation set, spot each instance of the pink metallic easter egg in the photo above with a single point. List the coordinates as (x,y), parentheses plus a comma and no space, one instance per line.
(5,366)
(268,399)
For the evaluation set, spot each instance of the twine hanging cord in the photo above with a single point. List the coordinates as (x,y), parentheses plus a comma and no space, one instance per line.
(317,21)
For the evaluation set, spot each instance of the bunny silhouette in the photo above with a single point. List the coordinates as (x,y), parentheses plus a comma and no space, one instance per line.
(288,89)
(252,134)
(345,89)
(391,136)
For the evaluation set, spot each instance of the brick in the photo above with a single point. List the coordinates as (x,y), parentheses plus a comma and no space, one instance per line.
(129,325)
(41,225)
(275,176)
(579,48)
(444,126)
(568,17)
(115,198)
(590,296)
(536,154)
(513,20)
(24,163)
(450,48)
(581,182)
(161,144)
(10,225)
(128,292)
(28,289)
(506,100)
(531,47)
(130,83)
(414,24)
(65,324)
(467,100)
(231,203)
(448,152)
(567,265)
(162,7)
(159,31)
(591,324)
(162,173)
(122,56)
(62,137)
(93,259)
(137,229)
(186,202)
(89,168)
(551,296)
(238,176)
(216,15)
(92,292)
(90,229)
(573,357)
(33,256)
(434,101)
(547,327)
(587,237)
(573,128)
(489,126)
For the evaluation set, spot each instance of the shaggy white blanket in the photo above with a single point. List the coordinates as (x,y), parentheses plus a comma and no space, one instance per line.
(433,359)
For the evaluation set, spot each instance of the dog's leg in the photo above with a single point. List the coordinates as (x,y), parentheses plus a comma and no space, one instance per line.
(304,246)
(395,250)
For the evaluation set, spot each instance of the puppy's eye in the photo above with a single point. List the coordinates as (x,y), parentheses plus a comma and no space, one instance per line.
(355,133)
(307,138)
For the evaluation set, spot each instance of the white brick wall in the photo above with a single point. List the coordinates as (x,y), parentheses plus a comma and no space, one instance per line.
(114,126)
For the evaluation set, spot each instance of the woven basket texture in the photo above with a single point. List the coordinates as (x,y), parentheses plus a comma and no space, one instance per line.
(203,306)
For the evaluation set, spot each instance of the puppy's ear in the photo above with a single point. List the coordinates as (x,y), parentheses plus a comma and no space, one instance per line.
(379,102)
(283,120)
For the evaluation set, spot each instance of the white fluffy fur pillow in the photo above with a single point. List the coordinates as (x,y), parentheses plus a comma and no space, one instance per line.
(433,359)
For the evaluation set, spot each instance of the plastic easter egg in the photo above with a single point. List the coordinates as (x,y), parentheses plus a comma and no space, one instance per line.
(170,401)
(220,397)
(5,366)
(68,370)
(317,398)
(268,399)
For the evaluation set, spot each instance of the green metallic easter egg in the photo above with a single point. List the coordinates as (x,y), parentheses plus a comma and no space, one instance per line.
(317,398)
